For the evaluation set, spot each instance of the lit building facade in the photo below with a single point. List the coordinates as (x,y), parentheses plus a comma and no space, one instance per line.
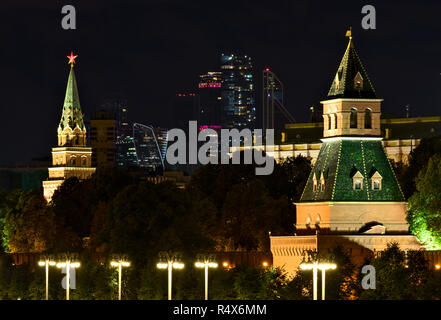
(352,196)
(238,92)
(151,146)
(103,132)
(72,158)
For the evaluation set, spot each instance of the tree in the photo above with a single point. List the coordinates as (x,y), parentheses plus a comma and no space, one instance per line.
(249,213)
(424,214)
(418,159)
(30,225)
(401,276)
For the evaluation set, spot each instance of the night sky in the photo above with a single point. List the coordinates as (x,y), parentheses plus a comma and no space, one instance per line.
(148,51)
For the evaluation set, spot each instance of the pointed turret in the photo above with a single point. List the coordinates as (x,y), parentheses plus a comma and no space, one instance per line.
(351,79)
(72,158)
(71,130)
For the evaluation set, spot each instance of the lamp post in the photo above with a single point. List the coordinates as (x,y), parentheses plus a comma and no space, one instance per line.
(169,261)
(46,261)
(119,262)
(314,266)
(206,261)
(68,261)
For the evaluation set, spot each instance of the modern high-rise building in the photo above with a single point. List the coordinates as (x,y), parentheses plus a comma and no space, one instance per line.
(275,114)
(238,99)
(150,146)
(210,111)
(185,109)
(71,158)
(118,108)
(125,153)
(103,133)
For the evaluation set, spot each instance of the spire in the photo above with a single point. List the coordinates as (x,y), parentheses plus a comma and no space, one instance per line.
(351,79)
(71,124)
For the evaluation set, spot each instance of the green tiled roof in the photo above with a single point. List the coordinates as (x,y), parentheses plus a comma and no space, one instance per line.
(343,85)
(339,160)
(72,115)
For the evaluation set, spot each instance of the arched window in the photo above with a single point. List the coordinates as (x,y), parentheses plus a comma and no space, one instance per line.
(329,122)
(73,160)
(368,119)
(335,121)
(353,118)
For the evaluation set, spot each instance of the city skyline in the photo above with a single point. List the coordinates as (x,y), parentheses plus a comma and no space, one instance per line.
(131,50)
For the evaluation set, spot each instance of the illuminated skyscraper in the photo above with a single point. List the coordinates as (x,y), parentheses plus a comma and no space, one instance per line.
(275,114)
(238,100)
(151,146)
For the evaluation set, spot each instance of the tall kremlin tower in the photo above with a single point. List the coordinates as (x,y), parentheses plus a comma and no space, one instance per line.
(72,158)
(352,196)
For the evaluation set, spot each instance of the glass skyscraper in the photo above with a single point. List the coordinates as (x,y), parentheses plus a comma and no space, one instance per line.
(150,146)
(238,99)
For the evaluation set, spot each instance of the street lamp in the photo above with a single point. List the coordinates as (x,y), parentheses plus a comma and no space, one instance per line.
(314,266)
(46,261)
(68,261)
(170,261)
(119,262)
(206,261)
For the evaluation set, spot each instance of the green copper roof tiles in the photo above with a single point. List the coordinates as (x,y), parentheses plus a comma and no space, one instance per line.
(72,115)
(344,84)
(339,160)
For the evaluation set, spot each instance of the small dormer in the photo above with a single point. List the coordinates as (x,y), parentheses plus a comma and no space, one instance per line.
(357,181)
(376,181)
(358,81)
(322,182)
(314,182)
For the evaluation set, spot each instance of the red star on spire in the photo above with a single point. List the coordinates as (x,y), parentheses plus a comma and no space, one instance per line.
(71,58)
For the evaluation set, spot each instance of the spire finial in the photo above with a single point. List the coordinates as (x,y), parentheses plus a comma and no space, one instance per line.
(349,33)
(71,59)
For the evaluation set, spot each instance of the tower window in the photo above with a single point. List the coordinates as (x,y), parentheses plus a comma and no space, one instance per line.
(353,120)
(314,183)
(357,185)
(368,119)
